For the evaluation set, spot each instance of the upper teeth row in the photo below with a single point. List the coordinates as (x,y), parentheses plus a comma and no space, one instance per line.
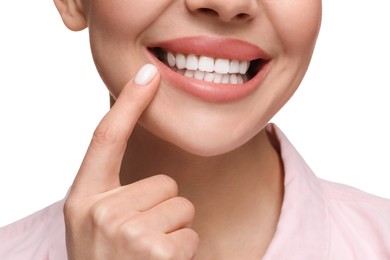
(207,64)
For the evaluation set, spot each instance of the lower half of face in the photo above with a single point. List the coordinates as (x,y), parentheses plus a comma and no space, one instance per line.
(203,122)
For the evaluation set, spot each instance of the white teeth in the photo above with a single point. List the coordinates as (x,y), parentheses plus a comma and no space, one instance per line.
(171,59)
(192,62)
(189,73)
(213,77)
(240,79)
(217,78)
(225,79)
(209,77)
(199,74)
(206,64)
(216,70)
(244,66)
(233,79)
(222,66)
(180,61)
(234,66)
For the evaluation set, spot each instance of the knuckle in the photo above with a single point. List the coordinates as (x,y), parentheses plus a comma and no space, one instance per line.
(74,213)
(194,237)
(185,205)
(133,233)
(70,209)
(131,93)
(163,251)
(101,214)
(191,238)
(104,136)
(195,241)
(134,94)
(146,242)
(167,184)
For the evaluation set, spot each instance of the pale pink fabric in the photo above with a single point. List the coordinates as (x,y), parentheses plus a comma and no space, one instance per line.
(319,220)
(325,220)
(40,236)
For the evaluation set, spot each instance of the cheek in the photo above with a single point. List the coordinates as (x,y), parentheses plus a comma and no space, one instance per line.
(128,17)
(115,27)
(297,24)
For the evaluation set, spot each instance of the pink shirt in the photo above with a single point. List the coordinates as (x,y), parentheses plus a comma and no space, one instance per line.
(319,220)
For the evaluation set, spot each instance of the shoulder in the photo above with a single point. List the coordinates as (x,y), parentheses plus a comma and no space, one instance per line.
(38,236)
(360,222)
(356,205)
(327,220)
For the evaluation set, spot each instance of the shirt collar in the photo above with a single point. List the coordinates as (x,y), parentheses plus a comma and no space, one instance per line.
(303,230)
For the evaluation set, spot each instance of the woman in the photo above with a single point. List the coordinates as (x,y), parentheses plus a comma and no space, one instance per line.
(198,115)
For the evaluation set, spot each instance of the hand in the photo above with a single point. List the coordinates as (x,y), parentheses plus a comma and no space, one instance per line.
(143,220)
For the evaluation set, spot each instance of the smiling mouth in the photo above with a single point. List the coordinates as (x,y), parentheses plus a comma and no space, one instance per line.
(210,69)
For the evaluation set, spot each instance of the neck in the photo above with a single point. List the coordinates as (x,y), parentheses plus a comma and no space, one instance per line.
(235,194)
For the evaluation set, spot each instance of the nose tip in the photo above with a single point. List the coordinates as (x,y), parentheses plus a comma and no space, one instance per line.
(225,10)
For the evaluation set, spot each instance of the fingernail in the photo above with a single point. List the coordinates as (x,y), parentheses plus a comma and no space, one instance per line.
(145,74)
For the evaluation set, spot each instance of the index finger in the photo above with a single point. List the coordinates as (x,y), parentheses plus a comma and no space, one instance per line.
(99,171)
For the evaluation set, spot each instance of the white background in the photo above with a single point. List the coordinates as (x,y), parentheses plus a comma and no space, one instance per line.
(51,100)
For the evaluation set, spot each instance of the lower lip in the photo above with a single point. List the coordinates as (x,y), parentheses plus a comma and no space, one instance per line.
(211,92)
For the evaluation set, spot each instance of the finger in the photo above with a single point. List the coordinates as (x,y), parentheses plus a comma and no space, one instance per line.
(186,241)
(179,245)
(168,216)
(121,204)
(99,171)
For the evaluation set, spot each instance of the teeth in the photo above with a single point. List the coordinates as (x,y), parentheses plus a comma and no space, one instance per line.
(213,77)
(209,77)
(225,79)
(233,79)
(234,66)
(189,73)
(220,71)
(192,62)
(217,78)
(222,66)
(244,66)
(171,59)
(180,61)
(240,79)
(199,74)
(206,64)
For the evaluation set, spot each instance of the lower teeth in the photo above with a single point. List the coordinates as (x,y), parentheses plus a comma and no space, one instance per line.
(213,77)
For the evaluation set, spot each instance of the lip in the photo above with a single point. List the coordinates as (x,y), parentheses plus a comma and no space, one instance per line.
(217,48)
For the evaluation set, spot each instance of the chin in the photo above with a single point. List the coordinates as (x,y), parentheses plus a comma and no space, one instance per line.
(206,149)
(199,142)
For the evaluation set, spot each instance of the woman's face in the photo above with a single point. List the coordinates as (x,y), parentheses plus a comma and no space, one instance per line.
(200,116)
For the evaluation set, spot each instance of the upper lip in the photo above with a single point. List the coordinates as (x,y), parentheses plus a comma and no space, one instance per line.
(227,48)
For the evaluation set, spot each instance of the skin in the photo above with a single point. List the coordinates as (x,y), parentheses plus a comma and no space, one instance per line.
(158,129)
